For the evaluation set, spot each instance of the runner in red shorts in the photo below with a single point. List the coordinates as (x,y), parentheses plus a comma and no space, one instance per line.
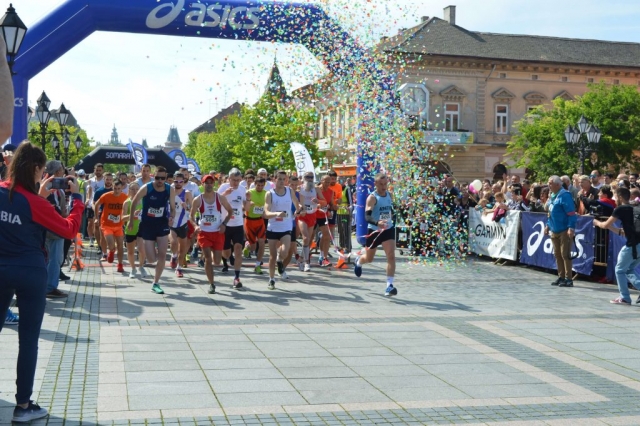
(211,229)
(310,198)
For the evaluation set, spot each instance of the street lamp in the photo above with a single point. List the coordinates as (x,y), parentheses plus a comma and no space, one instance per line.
(44,115)
(583,145)
(13,31)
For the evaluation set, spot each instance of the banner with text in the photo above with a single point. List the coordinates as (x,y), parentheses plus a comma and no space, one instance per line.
(494,239)
(537,249)
(302,158)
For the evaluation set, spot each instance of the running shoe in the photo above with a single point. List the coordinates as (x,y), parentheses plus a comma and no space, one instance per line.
(91,243)
(179,273)
(212,289)
(201,263)
(258,269)
(391,290)
(32,412)
(225,268)
(236,283)
(246,252)
(157,289)
(284,275)
(320,259)
(325,263)
(280,267)
(174,262)
(187,258)
(120,267)
(185,265)
(619,301)
(11,319)
(104,258)
(232,260)
(132,273)
(272,284)
(358,268)
(143,273)
(111,255)
(64,277)
(301,266)
(307,267)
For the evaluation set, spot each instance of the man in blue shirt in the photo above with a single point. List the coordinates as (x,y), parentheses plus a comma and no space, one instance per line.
(561,227)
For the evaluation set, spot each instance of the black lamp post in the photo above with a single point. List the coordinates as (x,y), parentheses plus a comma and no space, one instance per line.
(583,138)
(13,31)
(43,114)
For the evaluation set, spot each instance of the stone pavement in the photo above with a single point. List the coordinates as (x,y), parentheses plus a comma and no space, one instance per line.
(472,344)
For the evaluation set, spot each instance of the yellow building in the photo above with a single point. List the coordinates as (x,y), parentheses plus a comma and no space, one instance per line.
(476,85)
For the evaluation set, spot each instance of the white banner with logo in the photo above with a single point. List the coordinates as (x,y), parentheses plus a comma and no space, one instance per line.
(494,239)
(302,159)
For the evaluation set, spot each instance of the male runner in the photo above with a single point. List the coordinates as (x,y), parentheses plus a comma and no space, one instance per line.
(254,227)
(293,183)
(133,214)
(145,175)
(379,215)
(100,240)
(236,195)
(277,209)
(95,183)
(332,214)
(262,173)
(211,230)
(112,221)
(179,227)
(122,177)
(310,198)
(154,223)
(188,184)
(322,215)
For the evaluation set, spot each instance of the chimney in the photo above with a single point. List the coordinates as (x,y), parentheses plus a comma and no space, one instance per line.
(450,14)
(424,19)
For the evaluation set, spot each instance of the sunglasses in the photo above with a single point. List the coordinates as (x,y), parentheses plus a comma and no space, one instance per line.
(178,181)
(161,178)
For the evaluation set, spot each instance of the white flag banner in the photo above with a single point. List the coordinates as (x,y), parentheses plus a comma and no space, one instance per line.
(302,159)
(498,240)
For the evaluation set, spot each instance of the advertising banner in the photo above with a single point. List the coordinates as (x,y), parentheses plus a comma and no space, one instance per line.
(494,239)
(192,165)
(138,152)
(537,249)
(179,157)
(302,159)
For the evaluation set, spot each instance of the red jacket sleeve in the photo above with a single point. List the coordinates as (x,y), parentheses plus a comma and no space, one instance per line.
(43,213)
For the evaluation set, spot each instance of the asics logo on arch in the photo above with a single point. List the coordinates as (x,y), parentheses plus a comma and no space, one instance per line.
(203,15)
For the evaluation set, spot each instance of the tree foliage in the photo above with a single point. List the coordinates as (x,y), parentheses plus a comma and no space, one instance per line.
(259,135)
(75,155)
(615,109)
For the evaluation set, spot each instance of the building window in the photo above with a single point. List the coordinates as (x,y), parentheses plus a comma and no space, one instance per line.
(616,81)
(452,117)
(590,80)
(502,119)
(326,129)
(503,75)
(564,79)
(534,76)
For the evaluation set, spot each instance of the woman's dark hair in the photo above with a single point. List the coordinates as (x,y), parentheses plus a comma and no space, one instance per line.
(23,167)
(544,190)
(537,191)
(606,190)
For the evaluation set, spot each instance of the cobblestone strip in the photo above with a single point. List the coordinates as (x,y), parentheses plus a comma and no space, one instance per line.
(70,385)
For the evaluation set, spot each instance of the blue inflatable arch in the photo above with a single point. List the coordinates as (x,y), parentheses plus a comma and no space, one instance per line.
(286,22)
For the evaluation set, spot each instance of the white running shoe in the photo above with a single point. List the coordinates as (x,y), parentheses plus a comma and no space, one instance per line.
(132,274)
(143,273)
(284,275)
(307,267)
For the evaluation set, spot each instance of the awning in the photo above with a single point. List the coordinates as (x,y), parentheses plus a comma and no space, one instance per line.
(346,170)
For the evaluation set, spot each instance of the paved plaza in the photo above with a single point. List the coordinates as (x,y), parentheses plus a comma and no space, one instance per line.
(472,344)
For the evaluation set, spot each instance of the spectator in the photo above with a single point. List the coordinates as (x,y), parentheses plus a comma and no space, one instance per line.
(635,196)
(595,179)
(586,194)
(607,179)
(633,178)
(566,183)
(561,225)
(5,159)
(538,199)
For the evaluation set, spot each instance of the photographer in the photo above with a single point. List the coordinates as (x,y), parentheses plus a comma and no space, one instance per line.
(628,258)
(604,205)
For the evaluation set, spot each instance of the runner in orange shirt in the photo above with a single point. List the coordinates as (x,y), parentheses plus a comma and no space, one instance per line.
(332,214)
(112,221)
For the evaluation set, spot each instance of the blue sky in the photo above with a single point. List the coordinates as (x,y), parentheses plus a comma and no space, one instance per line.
(144,84)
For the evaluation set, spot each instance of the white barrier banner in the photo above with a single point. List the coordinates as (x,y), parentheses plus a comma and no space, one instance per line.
(494,239)
(302,159)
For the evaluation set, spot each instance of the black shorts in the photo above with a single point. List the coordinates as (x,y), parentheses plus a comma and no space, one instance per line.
(376,238)
(321,222)
(332,216)
(130,238)
(233,235)
(90,213)
(181,231)
(150,231)
(271,235)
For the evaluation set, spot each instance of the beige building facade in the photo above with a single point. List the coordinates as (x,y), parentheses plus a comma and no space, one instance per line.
(479,85)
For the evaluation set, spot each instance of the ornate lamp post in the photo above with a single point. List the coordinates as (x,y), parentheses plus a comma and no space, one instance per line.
(583,138)
(43,114)
(13,31)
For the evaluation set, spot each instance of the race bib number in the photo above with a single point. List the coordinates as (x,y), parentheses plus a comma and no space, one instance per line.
(114,218)
(235,213)
(385,216)
(308,208)
(282,219)
(330,214)
(139,215)
(209,220)
(159,212)
(258,210)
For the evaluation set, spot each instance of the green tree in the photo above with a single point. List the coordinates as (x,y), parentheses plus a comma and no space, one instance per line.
(75,155)
(259,135)
(615,109)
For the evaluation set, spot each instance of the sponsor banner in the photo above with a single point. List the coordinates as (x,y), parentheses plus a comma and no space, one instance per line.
(302,159)
(179,157)
(138,152)
(494,239)
(537,249)
(448,137)
(192,165)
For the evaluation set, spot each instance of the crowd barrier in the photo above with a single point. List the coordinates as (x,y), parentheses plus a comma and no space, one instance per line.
(520,237)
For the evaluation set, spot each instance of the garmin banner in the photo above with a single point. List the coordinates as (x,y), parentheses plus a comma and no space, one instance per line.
(302,159)
(537,249)
(138,152)
(179,157)
(494,239)
(192,165)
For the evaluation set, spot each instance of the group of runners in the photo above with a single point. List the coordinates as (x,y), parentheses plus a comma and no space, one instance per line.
(230,221)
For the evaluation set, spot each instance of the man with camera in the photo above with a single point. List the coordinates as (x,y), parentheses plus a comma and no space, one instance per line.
(628,258)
